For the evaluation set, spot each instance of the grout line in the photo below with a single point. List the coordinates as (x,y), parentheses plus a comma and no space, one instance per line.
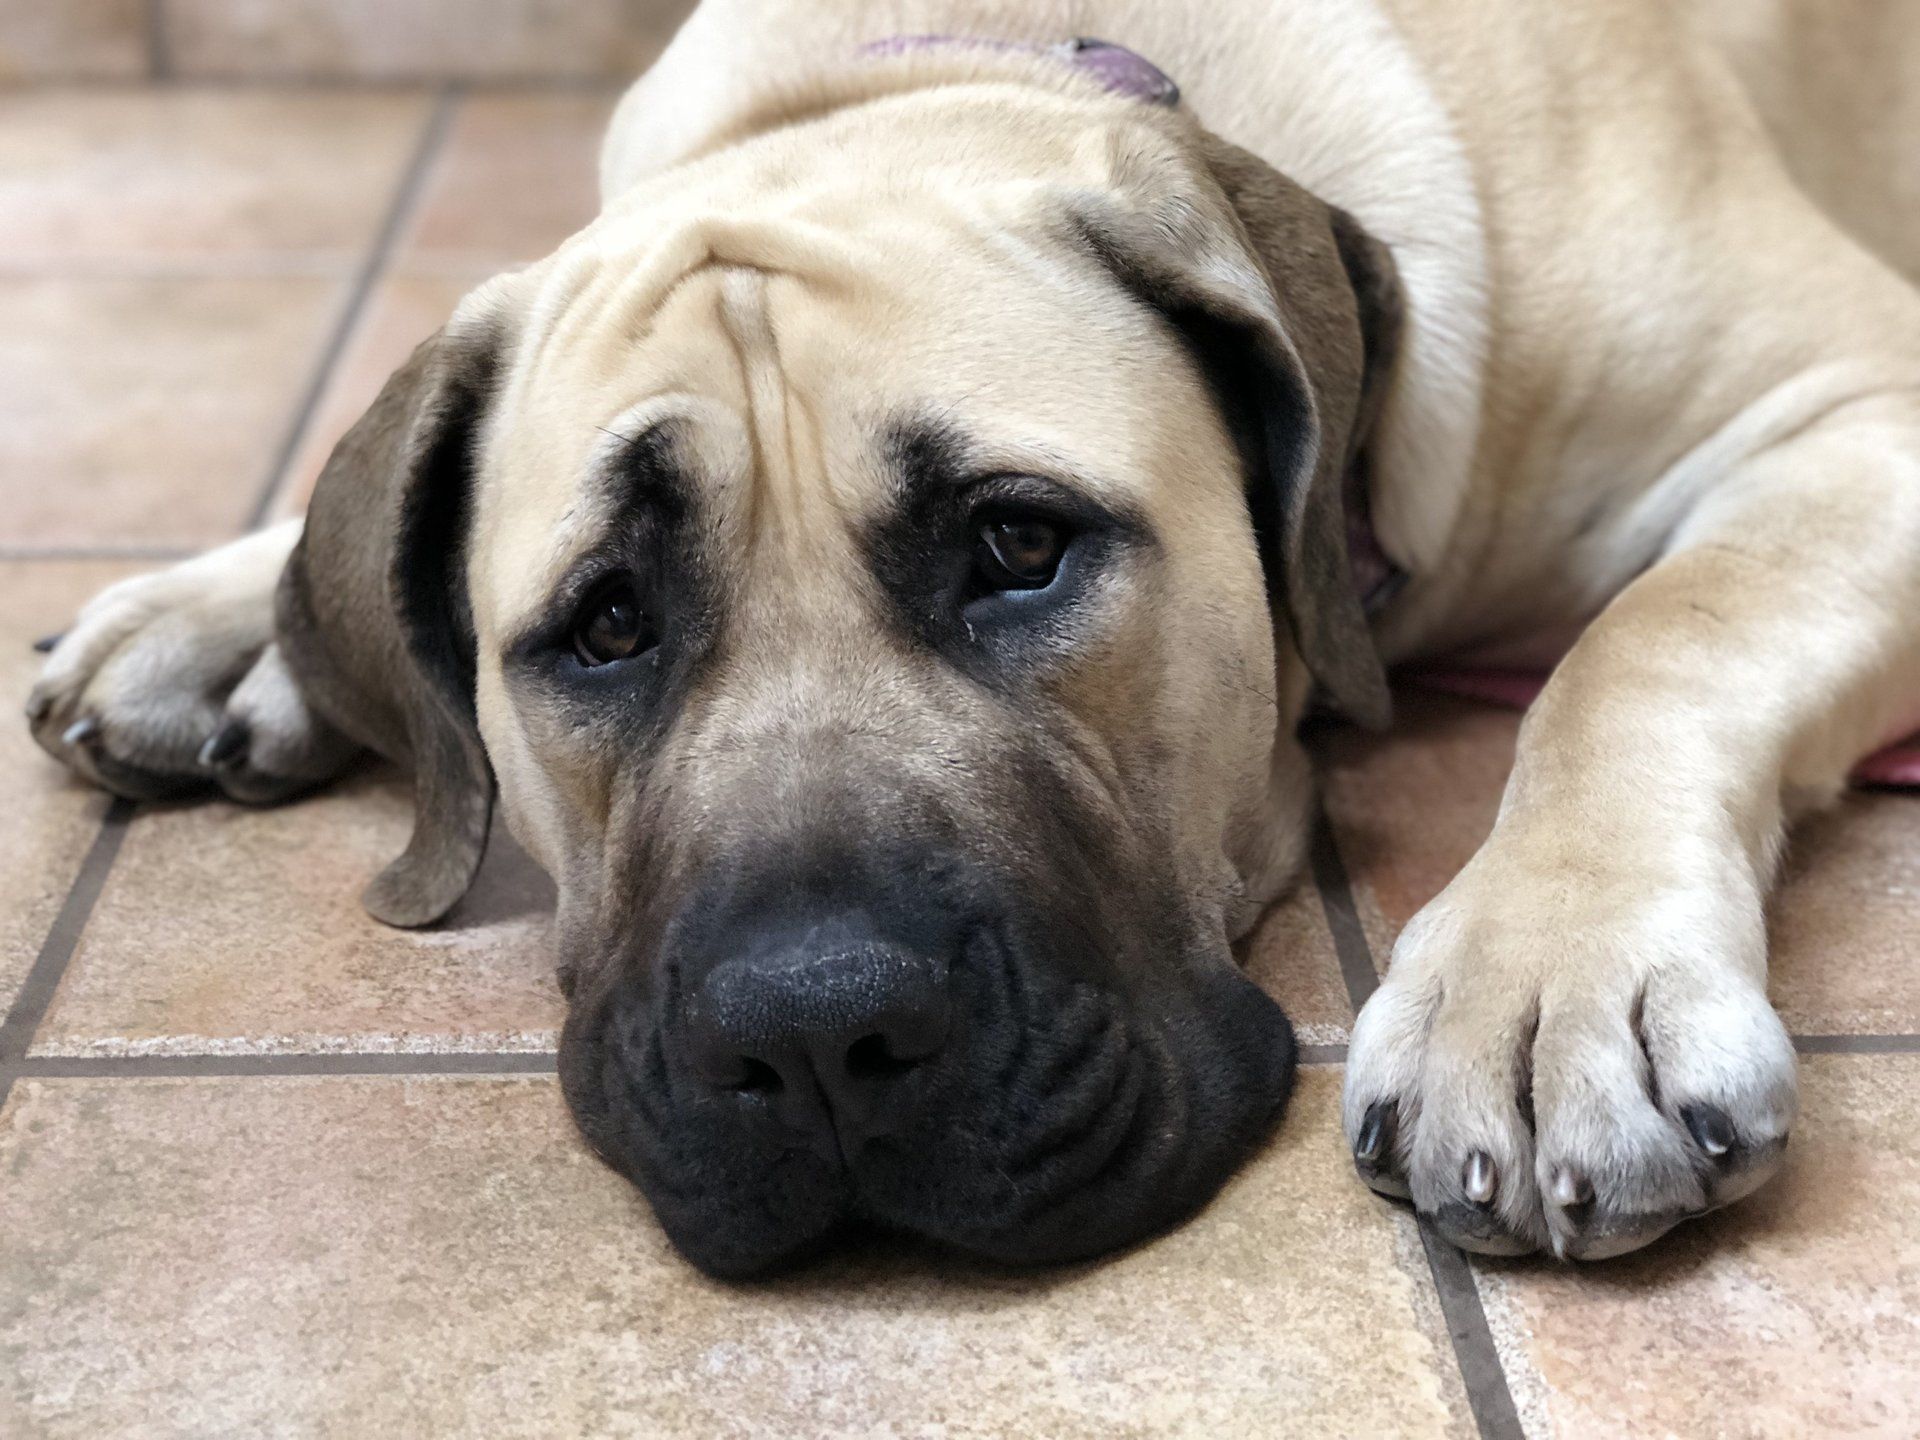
(1321,1054)
(382,1062)
(1343,916)
(159,43)
(356,1062)
(544,1062)
(609,86)
(375,1062)
(1488,1393)
(49,967)
(43,553)
(32,267)
(1857,1044)
(379,257)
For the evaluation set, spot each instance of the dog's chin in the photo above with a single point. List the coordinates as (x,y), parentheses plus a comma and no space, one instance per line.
(1051,1143)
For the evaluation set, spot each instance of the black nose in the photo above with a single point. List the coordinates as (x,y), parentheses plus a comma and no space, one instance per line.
(829,1027)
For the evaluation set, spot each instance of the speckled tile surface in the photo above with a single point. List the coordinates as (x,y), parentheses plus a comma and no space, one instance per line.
(519,173)
(91,39)
(1291,954)
(51,819)
(147,411)
(1795,1313)
(407,1256)
(1846,920)
(388,39)
(505,179)
(1410,808)
(224,930)
(116,179)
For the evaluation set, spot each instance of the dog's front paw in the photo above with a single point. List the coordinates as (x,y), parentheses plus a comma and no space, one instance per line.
(1556,1061)
(171,682)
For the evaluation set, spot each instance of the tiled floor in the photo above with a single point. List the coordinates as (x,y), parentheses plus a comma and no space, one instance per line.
(267,1168)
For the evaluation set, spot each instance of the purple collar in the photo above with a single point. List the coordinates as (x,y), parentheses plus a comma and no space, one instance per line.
(1114,68)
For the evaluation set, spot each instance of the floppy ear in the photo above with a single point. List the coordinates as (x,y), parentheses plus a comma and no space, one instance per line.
(1294,312)
(373,613)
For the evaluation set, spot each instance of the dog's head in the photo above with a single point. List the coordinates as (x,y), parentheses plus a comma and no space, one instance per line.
(877,564)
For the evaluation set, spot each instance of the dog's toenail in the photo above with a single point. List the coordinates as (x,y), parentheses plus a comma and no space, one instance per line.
(1376,1132)
(81,731)
(37,708)
(1711,1129)
(1479,1177)
(1570,1188)
(44,645)
(227,744)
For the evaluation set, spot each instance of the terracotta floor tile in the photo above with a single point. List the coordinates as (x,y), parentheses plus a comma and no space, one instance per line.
(94,39)
(403,310)
(122,179)
(515,178)
(404,1256)
(50,821)
(1794,1313)
(365,39)
(1410,807)
(518,174)
(147,411)
(263,945)
(1291,955)
(1846,920)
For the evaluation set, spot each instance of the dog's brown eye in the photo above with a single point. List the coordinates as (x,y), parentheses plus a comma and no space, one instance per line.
(613,626)
(1020,554)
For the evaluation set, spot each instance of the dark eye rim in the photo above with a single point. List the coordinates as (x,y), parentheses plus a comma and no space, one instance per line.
(1069,505)
(1093,533)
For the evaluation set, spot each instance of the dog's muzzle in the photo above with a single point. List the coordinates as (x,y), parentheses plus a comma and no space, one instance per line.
(810,1053)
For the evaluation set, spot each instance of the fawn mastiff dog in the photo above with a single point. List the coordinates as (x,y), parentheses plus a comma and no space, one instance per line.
(879,565)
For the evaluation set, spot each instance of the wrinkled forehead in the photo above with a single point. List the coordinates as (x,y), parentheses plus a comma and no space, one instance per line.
(775,365)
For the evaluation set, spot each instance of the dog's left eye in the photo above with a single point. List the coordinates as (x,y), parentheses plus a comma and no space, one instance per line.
(612,625)
(1018,553)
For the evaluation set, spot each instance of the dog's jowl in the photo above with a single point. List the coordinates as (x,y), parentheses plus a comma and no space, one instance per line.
(878,568)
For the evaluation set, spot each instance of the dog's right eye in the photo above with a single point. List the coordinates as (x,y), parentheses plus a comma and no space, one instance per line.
(612,625)
(1021,553)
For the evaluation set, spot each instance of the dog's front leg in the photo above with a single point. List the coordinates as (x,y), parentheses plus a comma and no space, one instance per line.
(1573,1047)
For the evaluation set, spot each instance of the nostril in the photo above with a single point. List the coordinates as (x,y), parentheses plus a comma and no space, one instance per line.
(728,1069)
(820,1035)
(756,1077)
(872,1057)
